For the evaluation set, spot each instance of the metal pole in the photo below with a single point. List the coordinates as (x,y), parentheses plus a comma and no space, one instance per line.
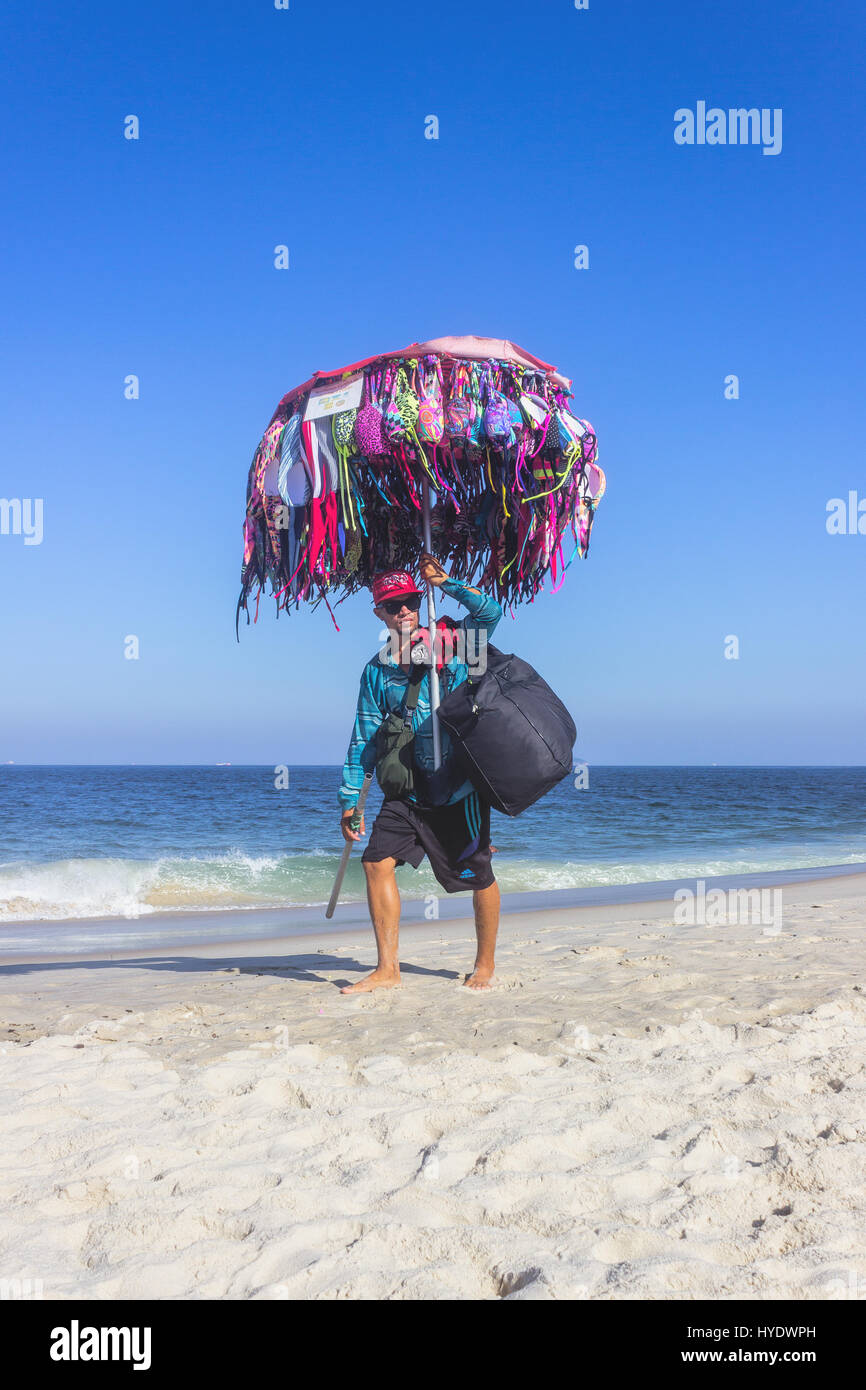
(431,625)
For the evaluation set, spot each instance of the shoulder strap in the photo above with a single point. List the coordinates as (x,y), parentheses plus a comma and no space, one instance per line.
(414,690)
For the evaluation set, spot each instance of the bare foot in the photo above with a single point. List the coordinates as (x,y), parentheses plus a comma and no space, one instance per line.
(380,979)
(480,978)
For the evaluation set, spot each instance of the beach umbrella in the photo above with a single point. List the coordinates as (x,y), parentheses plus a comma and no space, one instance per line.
(465,446)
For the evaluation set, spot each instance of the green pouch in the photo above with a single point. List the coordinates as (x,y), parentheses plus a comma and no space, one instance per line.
(395,738)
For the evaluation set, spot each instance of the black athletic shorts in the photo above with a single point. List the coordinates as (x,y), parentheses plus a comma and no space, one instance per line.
(455,838)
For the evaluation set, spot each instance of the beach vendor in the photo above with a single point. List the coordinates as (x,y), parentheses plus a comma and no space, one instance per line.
(441,814)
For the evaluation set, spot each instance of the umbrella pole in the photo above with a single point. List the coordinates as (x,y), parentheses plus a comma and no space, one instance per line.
(431,625)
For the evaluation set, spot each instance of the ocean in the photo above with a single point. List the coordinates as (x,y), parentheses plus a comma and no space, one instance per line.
(91,843)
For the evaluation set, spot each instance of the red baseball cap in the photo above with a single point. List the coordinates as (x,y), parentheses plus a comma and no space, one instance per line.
(393,584)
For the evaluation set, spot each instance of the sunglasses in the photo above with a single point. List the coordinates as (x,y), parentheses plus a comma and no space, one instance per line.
(393,605)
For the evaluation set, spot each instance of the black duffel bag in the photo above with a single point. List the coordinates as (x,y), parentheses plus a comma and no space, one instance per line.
(513,735)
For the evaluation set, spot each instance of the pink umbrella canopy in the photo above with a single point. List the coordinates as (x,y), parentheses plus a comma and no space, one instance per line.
(340,483)
(469,346)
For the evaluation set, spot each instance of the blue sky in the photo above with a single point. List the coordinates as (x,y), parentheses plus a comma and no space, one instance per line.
(306,127)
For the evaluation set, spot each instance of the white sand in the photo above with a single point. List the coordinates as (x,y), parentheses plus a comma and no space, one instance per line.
(637,1110)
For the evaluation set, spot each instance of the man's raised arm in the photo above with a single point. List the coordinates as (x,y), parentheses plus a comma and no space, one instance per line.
(484,612)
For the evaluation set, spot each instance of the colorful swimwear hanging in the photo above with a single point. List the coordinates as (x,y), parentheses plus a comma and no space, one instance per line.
(334,492)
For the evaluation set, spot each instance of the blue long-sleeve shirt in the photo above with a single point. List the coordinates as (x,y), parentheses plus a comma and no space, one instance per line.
(383,688)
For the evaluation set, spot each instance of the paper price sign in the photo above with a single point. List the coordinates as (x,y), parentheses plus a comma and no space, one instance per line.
(330,400)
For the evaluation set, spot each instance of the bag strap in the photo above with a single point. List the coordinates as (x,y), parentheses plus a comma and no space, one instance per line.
(412,693)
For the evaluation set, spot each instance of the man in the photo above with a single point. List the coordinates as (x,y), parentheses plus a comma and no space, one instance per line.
(456,835)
